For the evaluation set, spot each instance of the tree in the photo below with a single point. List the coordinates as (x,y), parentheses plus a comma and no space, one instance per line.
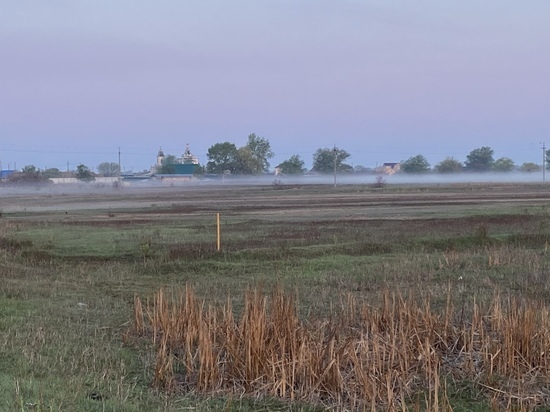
(530,167)
(247,163)
(29,174)
(83,173)
(325,159)
(415,164)
(260,149)
(361,169)
(253,158)
(51,172)
(108,169)
(30,170)
(449,165)
(221,157)
(345,168)
(199,170)
(166,167)
(294,165)
(480,160)
(503,164)
(547,158)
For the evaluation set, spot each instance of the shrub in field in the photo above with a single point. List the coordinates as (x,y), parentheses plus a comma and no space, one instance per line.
(379,182)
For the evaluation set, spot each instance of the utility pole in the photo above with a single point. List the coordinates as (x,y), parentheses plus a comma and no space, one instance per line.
(119,171)
(334,153)
(543,161)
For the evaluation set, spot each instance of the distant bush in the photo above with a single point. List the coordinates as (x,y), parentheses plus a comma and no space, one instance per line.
(28,178)
(530,167)
(379,182)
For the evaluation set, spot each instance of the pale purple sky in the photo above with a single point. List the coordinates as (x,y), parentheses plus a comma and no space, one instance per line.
(382,79)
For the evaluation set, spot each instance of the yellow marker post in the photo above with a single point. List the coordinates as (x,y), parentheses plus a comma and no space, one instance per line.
(219,231)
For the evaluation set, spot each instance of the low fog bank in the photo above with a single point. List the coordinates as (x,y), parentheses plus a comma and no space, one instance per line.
(265,180)
(427,178)
(439,178)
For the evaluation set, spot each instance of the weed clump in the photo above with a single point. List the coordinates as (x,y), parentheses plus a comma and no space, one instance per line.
(13,245)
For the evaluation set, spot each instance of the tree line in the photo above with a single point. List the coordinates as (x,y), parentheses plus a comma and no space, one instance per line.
(31,174)
(478,160)
(253,159)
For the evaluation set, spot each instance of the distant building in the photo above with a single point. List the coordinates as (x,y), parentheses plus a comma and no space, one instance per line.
(186,158)
(98,180)
(388,168)
(182,168)
(4,174)
(160,157)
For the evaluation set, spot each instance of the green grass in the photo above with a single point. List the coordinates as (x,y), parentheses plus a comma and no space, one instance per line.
(68,281)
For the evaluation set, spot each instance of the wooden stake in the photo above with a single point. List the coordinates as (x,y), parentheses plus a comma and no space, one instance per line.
(218,225)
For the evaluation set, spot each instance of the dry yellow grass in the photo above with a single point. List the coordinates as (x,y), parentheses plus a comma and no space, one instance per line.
(361,358)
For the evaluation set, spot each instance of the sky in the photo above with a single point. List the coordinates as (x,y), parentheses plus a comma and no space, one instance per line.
(381,79)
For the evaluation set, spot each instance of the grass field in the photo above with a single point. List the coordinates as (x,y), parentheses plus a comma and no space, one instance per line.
(464,269)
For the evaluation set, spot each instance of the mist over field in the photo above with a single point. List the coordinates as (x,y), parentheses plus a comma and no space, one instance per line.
(428,178)
(280,182)
(269,179)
